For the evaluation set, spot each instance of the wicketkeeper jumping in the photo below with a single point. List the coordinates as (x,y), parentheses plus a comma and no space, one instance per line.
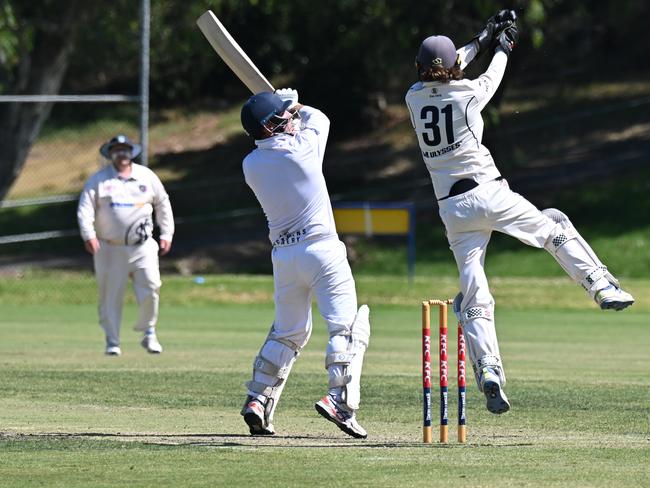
(474,199)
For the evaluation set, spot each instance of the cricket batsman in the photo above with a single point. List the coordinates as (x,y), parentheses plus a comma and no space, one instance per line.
(474,199)
(115,215)
(285,173)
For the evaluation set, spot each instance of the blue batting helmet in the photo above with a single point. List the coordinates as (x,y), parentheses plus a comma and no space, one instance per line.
(258,110)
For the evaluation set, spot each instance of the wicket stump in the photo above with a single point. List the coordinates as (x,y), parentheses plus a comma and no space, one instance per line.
(444,374)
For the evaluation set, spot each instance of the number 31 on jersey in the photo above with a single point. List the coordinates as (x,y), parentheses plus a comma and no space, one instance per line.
(430,114)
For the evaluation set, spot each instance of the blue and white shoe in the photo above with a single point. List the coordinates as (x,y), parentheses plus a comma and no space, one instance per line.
(496,399)
(613,298)
(342,417)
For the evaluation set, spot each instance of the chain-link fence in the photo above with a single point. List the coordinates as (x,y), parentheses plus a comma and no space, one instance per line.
(38,226)
(220,226)
(40,246)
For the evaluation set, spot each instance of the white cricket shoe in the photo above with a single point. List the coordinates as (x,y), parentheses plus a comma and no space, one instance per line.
(342,417)
(113,351)
(613,298)
(151,344)
(496,399)
(255,418)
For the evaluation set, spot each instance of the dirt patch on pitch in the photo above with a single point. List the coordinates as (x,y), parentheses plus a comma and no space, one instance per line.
(323,441)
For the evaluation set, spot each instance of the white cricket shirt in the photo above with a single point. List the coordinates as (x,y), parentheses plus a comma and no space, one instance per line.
(111,207)
(449,127)
(286,174)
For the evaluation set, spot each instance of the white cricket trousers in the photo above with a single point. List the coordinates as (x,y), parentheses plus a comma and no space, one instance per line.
(319,269)
(470,219)
(114,264)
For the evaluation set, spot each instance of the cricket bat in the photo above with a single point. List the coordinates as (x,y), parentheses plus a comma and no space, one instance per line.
(232,54)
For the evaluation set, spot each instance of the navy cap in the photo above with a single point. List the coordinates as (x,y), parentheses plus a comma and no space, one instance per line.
(259,109)
(120,140)
(437,51)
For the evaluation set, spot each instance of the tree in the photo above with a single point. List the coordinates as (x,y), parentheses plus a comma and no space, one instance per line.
(36,43)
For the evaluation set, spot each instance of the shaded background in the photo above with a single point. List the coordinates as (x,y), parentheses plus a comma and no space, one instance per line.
(570,126)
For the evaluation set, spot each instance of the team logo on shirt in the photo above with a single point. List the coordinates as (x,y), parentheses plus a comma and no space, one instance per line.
(138,232)
(143,188)
(127,205)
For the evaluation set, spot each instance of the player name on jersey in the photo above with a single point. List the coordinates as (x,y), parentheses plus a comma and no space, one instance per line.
(440,152)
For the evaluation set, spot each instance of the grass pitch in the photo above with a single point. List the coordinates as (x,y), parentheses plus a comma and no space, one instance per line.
(578,379)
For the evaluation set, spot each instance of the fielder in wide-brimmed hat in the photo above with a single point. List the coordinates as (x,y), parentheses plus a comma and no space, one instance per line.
(115,217)
(120,142)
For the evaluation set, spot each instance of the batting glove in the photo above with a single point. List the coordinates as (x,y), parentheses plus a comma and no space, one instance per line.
(508,38)
(288,94)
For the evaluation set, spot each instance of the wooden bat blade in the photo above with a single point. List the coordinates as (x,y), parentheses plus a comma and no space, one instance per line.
(232,54)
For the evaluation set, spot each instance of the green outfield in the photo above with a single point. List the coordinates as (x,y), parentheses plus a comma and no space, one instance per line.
(578,380)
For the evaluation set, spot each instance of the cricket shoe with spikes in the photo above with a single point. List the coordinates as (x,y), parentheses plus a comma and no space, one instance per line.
(496,399)
(151,344)
(613,298)
(255,417)
(342,417)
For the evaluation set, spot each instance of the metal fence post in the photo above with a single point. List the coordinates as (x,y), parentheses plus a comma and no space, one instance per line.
(145,25)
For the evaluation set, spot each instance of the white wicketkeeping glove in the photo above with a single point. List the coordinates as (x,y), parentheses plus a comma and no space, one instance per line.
(288,94)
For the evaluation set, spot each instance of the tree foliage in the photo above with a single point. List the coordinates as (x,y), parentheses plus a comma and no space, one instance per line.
(343,54)
(346,56)
(38,40)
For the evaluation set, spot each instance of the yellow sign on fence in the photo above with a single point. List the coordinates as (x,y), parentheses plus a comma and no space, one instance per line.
(372,221)
(369,219)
